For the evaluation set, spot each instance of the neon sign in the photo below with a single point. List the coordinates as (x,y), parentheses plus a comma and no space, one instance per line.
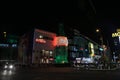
(40,40)
(116,34)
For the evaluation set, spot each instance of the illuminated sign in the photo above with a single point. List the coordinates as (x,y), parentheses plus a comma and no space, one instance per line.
(91,46)
(61,41)
(51,59)
(4,45)
(116,34)
(40,40)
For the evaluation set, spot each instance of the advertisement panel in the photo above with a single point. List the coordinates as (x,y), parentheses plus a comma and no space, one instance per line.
(61,41)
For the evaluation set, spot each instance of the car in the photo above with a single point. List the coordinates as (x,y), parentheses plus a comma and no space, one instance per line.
(7,64)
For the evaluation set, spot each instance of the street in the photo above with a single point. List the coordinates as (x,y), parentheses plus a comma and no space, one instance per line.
(64,73)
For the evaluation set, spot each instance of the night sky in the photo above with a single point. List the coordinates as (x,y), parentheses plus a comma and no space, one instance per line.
(17,18)
(84,15)
(108,18)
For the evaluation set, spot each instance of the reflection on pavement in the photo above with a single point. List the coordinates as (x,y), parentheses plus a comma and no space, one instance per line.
(6,74)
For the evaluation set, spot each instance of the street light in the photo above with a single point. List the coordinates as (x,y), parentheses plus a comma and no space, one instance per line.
(4,33)
(97,30)
(106,49)
(101,37)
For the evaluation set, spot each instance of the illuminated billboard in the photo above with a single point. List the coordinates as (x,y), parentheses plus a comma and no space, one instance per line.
(60,41)
(117,34)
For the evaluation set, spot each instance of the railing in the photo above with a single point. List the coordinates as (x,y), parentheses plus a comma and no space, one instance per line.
(96,66)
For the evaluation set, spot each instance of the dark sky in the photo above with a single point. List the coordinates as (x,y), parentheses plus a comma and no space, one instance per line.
(108,16)
(22,16)
(84,15)
(107,12)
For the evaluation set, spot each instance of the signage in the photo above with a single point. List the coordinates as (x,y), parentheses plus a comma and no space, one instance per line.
(60,41)
(40,40)
(116,34)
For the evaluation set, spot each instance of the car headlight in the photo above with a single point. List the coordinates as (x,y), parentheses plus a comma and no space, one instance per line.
(5,66)
(11,66)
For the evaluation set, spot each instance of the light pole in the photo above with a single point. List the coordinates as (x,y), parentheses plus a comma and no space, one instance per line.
(101,37)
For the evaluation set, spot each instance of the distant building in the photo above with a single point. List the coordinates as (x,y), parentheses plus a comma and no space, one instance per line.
(8,46)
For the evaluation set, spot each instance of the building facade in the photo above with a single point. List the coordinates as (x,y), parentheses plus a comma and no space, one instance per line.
(82,49)
(8,46)
(37,47)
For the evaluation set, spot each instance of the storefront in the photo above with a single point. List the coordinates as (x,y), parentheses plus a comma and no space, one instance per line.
(82,49)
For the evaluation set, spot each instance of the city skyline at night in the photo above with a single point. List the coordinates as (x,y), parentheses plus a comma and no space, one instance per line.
(85,16)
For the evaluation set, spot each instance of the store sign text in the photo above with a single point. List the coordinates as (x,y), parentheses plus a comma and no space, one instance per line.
(40,40)
(116,34)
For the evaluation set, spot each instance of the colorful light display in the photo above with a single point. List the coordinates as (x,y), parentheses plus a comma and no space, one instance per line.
(61,55)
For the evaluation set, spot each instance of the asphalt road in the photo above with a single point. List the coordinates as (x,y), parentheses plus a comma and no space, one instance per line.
(64,73)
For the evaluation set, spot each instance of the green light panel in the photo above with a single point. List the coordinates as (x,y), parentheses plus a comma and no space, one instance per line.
(61,55)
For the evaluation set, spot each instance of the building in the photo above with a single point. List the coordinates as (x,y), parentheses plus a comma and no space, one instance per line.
(8,46)
(37,47)
(82,49)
